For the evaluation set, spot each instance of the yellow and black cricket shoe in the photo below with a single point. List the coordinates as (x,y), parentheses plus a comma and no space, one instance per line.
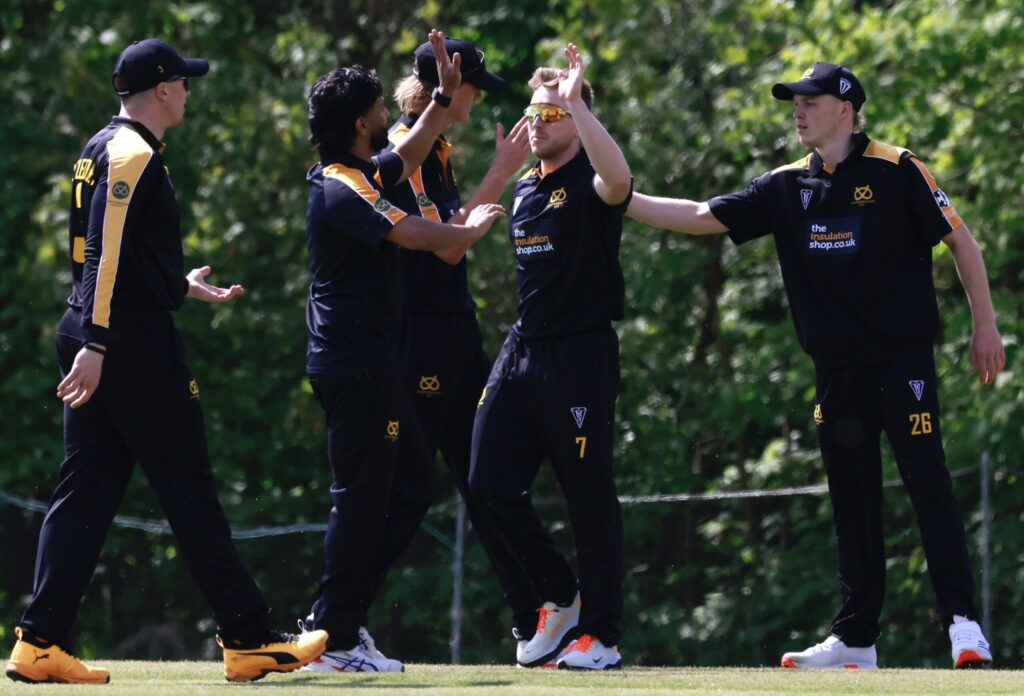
(35,660)
(283,652)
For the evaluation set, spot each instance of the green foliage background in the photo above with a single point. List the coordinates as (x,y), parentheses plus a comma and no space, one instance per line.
(717,395)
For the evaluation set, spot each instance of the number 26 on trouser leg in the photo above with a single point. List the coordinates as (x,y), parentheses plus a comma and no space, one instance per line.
(920,423)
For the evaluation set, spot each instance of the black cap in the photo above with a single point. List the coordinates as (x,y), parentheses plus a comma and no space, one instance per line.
(147,63)
(824,78)
(472,68)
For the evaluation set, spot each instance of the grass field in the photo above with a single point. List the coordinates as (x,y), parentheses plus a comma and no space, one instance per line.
(167,678)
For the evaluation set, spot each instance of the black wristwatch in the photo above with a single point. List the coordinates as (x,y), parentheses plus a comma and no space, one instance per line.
(441,99)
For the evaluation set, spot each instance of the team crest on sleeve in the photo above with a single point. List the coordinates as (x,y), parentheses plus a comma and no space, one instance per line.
(422,200)
(381,205)
(941,198)
(917,385)
(578,414)
(805,197)
(120,190)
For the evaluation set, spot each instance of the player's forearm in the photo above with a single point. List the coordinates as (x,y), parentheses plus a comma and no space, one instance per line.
(489,191)
(604,153)
(675,214)
(971,268)
(415,148)
(419,234)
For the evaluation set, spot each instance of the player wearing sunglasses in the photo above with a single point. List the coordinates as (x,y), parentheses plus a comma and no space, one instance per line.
(551,393)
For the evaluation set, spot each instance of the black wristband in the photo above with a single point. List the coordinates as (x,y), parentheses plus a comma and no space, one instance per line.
(441,99)
(95,349)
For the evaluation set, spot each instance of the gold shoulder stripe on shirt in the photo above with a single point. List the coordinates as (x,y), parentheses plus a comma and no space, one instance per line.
(128,154)
(426,206)
(357,181)
(948,211)
(400,133)
(889,153)
(802,163)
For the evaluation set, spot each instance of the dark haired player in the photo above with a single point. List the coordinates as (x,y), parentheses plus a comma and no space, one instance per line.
(354,316)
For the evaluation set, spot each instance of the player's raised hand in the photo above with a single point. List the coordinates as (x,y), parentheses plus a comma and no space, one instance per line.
(483,216)
(82,380)
(199,289)
(510,151)
(448,69)
(570,82)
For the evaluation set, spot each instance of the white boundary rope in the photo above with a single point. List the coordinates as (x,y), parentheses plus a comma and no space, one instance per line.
(162,527)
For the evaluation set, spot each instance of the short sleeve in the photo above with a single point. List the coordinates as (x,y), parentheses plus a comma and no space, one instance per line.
(618,208)
(745,213)
(934,213)
(357,208)
(389,168)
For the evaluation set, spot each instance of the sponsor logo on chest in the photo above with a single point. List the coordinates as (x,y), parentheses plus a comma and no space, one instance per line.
(832,236)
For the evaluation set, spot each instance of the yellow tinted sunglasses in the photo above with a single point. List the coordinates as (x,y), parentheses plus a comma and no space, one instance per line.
(547,113)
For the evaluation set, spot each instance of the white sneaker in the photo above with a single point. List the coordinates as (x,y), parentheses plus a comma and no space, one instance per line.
(553,633)
(348,660)
(587,652)
(521,650)
(520,646)
(970,649)
(355,660)
(832,654)
(367,644)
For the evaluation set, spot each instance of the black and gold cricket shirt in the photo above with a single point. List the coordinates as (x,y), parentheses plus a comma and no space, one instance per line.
(855,249)
(125,232)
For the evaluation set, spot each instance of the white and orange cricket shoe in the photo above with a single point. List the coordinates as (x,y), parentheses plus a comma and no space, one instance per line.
(970,649)
(832,653)
(588,652)
(554,631)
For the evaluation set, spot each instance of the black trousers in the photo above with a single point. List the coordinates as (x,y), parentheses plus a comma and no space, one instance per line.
(445,373)
(145,410)
(855,405)
(555,399)
(373,440)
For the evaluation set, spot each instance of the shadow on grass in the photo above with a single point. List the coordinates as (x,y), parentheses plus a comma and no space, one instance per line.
(350,681)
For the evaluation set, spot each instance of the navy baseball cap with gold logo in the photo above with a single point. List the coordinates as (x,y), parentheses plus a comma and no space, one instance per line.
(472,67)
(147,63)
(824,78)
